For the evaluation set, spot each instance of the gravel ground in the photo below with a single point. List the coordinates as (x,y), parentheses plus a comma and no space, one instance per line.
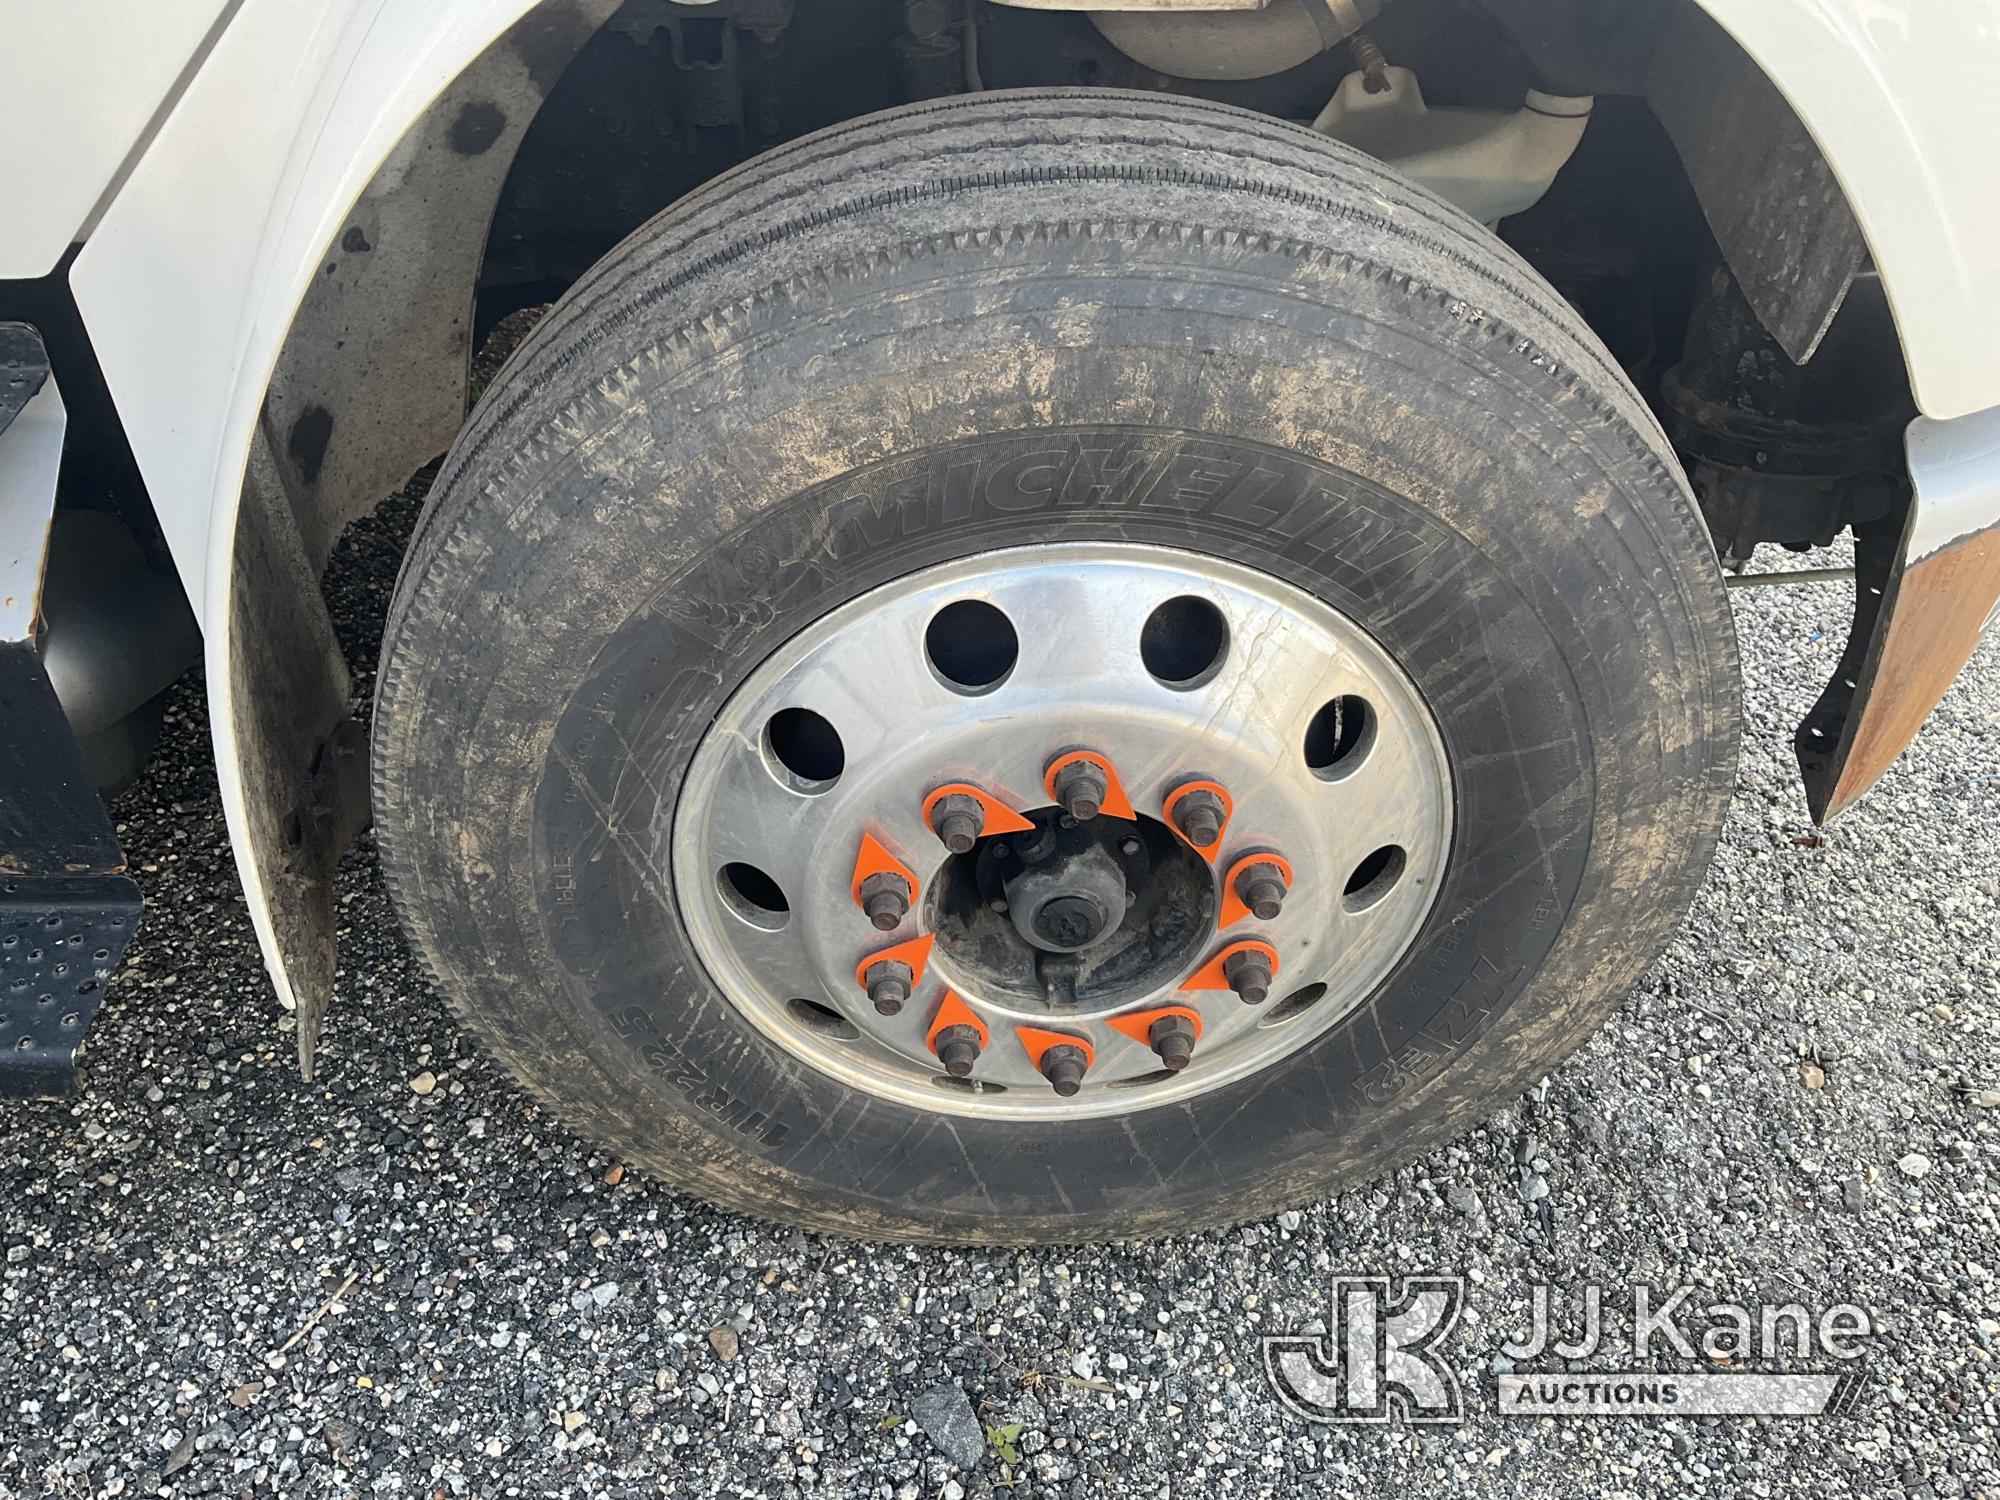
(405,1279)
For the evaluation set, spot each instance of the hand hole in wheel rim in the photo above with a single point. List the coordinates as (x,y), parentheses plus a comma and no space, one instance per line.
(1294,1005)
(822,1020)
(754,896)
(804,750)
(1183,642)
(971,646)
(1339,737)
(1374,878)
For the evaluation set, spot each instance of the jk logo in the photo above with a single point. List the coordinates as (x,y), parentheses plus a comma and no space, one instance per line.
(1378,1356)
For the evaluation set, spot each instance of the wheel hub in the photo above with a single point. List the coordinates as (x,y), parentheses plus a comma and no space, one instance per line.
(1086,912)
(1063,830)
(1066,890)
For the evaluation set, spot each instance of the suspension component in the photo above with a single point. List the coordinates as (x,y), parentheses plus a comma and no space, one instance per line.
(1061,1058)
(882,885)
(1246,968)
(1367,55)
(1171,1032)
(1199,812)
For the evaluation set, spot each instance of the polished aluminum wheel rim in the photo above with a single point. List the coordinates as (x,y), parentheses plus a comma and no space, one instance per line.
(764,842)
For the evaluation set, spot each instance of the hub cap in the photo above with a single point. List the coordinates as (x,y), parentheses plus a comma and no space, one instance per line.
(1210,694)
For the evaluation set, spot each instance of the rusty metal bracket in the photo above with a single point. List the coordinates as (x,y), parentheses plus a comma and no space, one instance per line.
(1825,735)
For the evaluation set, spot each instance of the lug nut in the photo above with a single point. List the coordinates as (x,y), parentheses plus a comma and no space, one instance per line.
(1199,816)
(885,897)
(1249,974)
(1262,888)
(957,820)
(1063,1066)
(1172,1037)
(958,1049)
(1080,788)
(888,985)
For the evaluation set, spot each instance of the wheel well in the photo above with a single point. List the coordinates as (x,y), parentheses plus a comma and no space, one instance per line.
(589,116)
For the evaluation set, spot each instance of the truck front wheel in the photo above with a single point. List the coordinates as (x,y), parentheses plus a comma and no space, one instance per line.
(1046,667)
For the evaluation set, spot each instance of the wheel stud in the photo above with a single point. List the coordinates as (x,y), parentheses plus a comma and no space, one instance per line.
(885,897)
(958,1049)
(957,820)
(1199,815)
(1080,787)
(1262,888)
(1173,1037)
(888,985)
(1249,974)
(1064,1067)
